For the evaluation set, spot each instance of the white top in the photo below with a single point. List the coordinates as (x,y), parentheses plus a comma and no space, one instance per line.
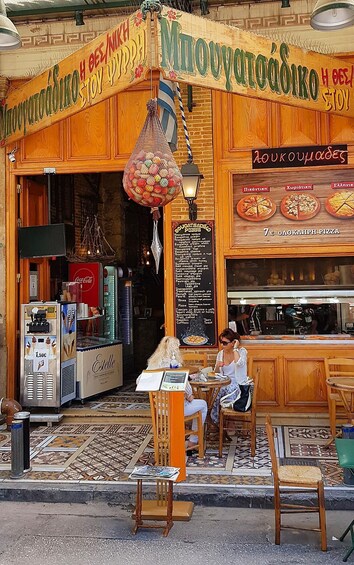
(236,371)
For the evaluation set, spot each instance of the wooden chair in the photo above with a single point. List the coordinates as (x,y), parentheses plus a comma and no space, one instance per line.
(161,428)
(195,359)
(226,414)
(340,367)
(295,479)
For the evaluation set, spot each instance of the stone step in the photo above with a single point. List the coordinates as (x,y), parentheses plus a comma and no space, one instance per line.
(50,419)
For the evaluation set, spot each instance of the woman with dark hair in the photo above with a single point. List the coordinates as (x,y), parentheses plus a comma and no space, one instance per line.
(231,362)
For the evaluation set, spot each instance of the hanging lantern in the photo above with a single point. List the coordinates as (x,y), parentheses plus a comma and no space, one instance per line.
(151,177)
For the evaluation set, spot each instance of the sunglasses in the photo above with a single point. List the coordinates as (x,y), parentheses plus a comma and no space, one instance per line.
(225,342)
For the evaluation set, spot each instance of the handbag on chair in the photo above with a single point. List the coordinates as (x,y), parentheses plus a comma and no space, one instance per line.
(239,400)
(244,402)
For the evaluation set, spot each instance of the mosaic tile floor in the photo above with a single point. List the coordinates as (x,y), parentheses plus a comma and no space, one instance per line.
(127,403)
(108,452)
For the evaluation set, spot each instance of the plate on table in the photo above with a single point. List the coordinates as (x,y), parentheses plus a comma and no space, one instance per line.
(212,376)
(216,376)
(300,206)
(195,340)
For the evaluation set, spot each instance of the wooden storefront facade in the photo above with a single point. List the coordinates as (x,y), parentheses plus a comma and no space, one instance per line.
(224,129)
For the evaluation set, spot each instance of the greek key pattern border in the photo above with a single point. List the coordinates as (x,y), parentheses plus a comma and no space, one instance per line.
(84,37)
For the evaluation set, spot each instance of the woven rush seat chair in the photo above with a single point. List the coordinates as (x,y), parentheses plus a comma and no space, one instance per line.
(249,417)
(294,479)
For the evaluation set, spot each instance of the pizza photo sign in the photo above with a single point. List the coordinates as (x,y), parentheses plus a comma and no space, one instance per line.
(293,208)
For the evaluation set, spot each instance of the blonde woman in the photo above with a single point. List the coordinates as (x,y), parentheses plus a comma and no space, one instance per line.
(167,350)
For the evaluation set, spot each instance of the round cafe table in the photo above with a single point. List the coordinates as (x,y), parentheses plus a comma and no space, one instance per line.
(345,388)
(208,390)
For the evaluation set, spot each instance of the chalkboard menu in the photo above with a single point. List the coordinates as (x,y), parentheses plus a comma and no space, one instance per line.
(193,245)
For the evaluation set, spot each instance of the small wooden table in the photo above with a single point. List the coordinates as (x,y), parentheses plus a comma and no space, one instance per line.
(345,387)
(209,390)
(160,509)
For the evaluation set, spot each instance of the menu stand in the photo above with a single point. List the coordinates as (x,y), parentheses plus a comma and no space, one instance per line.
(167,411)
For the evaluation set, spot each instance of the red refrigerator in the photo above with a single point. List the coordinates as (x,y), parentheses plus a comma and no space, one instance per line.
(90,276)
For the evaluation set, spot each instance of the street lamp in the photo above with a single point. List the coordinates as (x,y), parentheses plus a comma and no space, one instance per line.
(190,185)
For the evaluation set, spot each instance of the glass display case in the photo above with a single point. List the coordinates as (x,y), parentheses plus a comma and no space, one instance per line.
(307,296)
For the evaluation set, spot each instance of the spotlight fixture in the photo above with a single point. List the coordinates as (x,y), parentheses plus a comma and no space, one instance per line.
(243,301)
(79,18)
(273,301)
(11,155)
(9,36)
(190,185)
(330,15)
(285,4)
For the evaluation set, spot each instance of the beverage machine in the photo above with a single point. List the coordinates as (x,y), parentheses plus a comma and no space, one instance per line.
(48,354)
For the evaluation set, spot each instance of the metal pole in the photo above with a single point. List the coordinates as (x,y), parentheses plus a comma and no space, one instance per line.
(25,418)
(16,449)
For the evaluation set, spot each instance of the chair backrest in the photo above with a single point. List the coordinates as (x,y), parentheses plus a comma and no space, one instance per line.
(273,455)
(340,367)
(255,388)
(197,359)
(159,406)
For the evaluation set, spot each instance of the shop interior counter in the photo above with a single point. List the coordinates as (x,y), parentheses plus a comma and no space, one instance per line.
(99,366)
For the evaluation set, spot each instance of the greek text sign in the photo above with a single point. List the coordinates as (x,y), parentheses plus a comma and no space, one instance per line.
(109,64)
(206,53)
(311,156)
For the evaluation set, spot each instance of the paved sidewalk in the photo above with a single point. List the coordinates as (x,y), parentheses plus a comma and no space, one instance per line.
(87,534)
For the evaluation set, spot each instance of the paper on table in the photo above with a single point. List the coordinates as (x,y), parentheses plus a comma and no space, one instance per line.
(151,380)
(173,380)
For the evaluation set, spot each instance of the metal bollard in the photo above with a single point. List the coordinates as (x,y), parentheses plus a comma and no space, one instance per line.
(16,449)
(348,474)
(25,418)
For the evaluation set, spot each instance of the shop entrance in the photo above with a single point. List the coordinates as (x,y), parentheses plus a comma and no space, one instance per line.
(74,200)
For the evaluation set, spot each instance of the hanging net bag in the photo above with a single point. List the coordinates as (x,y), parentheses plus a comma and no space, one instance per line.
(151,177)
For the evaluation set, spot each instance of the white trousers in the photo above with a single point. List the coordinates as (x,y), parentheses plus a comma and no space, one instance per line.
(193,407)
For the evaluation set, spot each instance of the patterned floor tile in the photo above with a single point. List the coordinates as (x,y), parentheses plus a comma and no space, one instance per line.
(308,442)
(3,438)
(64,441)
(108,452)
(333,474)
